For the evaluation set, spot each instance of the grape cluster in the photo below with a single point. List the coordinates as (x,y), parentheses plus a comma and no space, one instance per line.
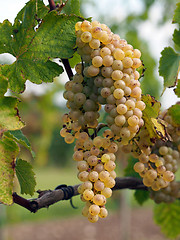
(157,167)
(168,194)
(111,62)
(96,163)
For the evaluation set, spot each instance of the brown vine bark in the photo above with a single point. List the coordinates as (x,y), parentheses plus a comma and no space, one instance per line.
(50,197)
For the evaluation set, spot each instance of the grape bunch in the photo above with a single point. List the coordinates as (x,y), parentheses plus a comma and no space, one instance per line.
(96,163)
(111,62)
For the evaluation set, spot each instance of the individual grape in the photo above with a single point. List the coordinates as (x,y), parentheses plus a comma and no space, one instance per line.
(133,120)
(92,160)
(92,218)
(105,92)
(117,75)
(97,61)
(122,109)
(168,176)
(93,71)
(86,26)
(94,209)
(107,60)
(127,62)
(98,185)
(83,176)
(105,51)
(82,166)
(130,104)
(69,138)
(98,199)
(93,176)
(94,43)
(120,120)
(139,167)
(109,183)
(106,71)
(105,158)
(103,212)
(110,165)
(118,54)
(88,194)
(136,63)
(107,192)
(86,37)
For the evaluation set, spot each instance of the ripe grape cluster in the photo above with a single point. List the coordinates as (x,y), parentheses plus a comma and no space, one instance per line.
(96,163)
(111,63)
(107,75)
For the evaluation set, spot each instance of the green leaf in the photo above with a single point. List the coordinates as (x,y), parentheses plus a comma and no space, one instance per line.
(129,170)
(168,66)
(20,138)
(36,71)
(177,89)
(8,153)
(141,196)
(174,111)
(55,37)
(74,60)
(3,85)
(176,37)
(33,48)
(155,127)
(26,177)
(75,7)
(176,17)
(168,217)
(9,115)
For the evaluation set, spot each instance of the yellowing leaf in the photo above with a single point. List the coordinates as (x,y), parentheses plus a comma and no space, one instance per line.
(155,126)
(159,128)
(9,115)
(8,153)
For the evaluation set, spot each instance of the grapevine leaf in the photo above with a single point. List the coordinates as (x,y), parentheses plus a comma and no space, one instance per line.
(61,45)
(155,127)
(177,89)
(26,176)
(20,138)
(174,111)
(141,196)
(168,217)
(33,45)
(129,170)
(36,71)
(176,17)
(8,153)
(176,37)
(74,60)
(16,38)
(75,7)
(9,115)
(168,67)
(3,85)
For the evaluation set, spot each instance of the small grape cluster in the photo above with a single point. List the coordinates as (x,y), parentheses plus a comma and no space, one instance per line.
(157,165)
(168,194)
(96,163)
(111,62)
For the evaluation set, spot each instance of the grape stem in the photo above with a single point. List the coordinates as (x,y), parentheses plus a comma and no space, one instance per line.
(50,197)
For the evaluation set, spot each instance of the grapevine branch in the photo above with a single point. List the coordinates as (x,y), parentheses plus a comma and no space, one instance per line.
(50,197)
